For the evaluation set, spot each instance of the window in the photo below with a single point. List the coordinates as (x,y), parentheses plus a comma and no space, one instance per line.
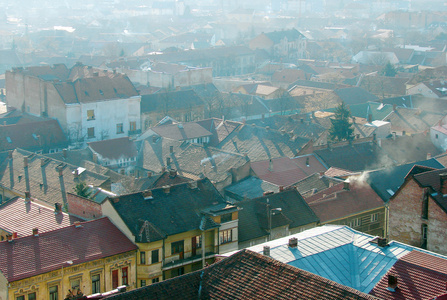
(142,282)
(142,258)
(20,298)
(374,217)
(32,296)
(155,280)
(125,276)
(75,284)
(133,126)
(154,256)
(425,206)
(225,218)
(91,132)
(226,236)
(53,292)
(436,136)
(355,223)
(114,279)
(177,272)
(96,284)
(198,241)
(119,128)
(177,247)
(90,114)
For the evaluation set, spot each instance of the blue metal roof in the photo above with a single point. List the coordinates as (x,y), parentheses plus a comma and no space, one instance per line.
(339,253)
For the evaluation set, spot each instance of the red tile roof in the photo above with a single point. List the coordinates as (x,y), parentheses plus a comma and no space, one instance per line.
(246,275)
(336,202)
(31,255)
(420,276)
(18,216)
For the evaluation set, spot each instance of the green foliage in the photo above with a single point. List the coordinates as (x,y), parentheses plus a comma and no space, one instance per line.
(341,129)
(389,70)
(82,189)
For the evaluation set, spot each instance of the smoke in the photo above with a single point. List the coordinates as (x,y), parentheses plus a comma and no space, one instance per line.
(359,180)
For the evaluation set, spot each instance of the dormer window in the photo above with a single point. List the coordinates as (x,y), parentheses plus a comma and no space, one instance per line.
(101,92)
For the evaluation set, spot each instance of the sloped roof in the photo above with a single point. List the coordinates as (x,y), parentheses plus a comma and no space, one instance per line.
(420,276)
(261,144)
(190,159)
(51,193)
(181,131)
(354,95)
(114,148)
(18,216)
(29,256)
(246,275)
(253,217)
(387,181)
(431,179)
(32,135)
(336,202)
(183,99)
(412,120)
(250,187)
(219,128)
(377,110)
(314,183)
(170,212)
(288,75)
(355,157)
(291,35)
(338,253)
(286,171)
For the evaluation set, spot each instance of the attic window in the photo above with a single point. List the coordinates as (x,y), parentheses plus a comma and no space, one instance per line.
(9,139)
(101,92)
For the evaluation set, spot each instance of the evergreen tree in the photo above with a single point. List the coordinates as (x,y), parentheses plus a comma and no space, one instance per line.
(341,129)
(389,70)
(82,189)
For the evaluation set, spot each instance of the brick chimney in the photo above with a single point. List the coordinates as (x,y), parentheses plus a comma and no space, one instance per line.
(266,251)
(346,185)
(443,179)
(57,208)
(27,197)
(35,231)
(293,242)
(392,282)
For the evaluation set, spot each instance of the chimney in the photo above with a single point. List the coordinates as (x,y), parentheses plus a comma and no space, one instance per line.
(64,153)
(374,136)
(76,173)
(266,251)
(428,155)
(293,242)
(392,282)
(77,224)
(346,185)
(42,169)
(27,197)
(443,178)
(403,132)
(172,173)
(57,208)
(394,107)
(301,120)
(329,145)
(394,135)
(370,118)
(381,242)
(25,170)
(147,195)
(192,185)
(267,128)
(11,169)
(307,161)
(95,158)
(163,169)
(270,165)
(281,188)
(149,174)
(9,237)
(35,231)
(154,139)
(167,189)
(168,161)
(171,149)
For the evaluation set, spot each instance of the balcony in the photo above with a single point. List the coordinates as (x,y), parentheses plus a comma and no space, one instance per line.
(177,262)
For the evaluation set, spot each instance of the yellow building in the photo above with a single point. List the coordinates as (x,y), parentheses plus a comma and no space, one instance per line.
(178,229)
(87,258)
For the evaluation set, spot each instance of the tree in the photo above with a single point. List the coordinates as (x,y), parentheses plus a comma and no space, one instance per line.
(82,189)
(389,70)
(341,129)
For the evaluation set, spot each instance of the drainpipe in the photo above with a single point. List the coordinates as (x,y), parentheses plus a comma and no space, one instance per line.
(163,260)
